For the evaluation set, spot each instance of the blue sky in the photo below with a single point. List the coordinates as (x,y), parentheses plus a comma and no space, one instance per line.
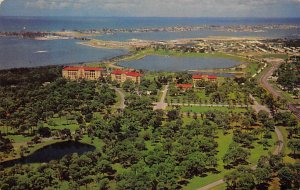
(152,8)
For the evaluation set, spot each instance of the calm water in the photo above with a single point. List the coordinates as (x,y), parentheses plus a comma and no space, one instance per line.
(15,53)
(52,152)
(176,64)
(82,23)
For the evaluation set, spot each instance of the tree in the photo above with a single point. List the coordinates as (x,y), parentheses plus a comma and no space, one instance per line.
(195,164)
(235,154)
(128,86)
(210,88)
(263,116)
(294,145)
(285,175)
(173,114)
(44,131)
(201,83)
(269,125)
(262,175)
(5,145)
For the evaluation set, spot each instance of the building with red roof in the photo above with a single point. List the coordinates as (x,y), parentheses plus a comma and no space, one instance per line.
(211,78)
(82,72)
(121,76)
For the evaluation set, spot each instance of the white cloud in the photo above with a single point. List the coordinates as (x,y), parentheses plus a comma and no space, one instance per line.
(160,7)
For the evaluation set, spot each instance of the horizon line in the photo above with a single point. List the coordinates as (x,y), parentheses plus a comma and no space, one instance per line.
(229,17)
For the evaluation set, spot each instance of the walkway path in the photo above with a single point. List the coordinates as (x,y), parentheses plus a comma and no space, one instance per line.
(122,98)
(161,104)
(258,107)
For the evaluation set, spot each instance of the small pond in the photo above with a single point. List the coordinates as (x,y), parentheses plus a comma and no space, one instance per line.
(176,64)
(52,152)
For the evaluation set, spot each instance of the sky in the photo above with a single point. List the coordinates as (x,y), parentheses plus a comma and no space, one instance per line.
(152,8)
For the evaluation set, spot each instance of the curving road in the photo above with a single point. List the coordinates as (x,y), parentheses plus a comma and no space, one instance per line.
(264,81)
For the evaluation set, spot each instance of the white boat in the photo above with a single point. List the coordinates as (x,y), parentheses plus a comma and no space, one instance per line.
(41,52)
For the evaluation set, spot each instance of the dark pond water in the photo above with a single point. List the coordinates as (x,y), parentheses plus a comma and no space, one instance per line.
(176,64)
(52,152)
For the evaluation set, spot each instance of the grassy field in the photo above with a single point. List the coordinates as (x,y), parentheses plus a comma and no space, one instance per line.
(198,109)
(142,54)
(286,150)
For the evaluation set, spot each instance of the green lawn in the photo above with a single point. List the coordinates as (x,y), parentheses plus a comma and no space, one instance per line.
(286,150)
(96,142)
(252,68)
(150,51)
(198,109)
(19,138)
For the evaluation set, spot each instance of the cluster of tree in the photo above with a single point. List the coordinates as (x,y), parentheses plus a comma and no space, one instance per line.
(290,122)
(74,169)
(5,144)
(266,98)
(289,77)
(155,151)
(268,167)
(27,100)
(146,87)
(228,91)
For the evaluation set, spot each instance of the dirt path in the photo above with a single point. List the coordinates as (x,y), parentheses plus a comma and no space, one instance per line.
(258,107)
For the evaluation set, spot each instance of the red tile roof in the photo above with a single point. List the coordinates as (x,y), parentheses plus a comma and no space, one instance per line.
(128,73)
(212,77)
(197,77)
(184,85)
(204,76)
(72,68)
(117,72)
(133,74)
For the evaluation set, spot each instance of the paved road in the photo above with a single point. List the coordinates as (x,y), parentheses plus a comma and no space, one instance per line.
(264,81)
(161,104)
(264,78)
(122,96)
